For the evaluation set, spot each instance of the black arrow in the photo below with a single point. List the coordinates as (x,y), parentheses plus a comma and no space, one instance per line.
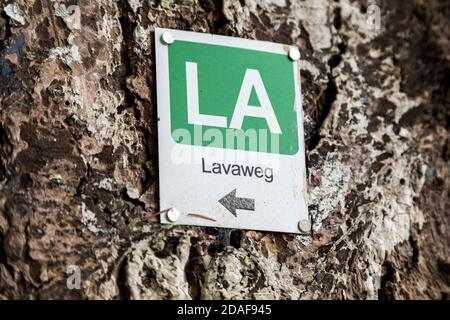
(232,203)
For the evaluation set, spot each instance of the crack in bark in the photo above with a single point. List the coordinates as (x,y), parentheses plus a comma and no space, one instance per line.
(5,153)
(121,280)
(195,272)
(52,19)
(127,27)
(331,90)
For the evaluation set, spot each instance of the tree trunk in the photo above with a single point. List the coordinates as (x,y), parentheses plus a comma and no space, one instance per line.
(78,154)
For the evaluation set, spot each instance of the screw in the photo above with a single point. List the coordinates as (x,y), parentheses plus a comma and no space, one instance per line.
(304,225)
(173,214)
(167,38)
(294,54)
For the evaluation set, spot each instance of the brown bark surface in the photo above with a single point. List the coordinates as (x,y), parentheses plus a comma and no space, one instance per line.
(78,154)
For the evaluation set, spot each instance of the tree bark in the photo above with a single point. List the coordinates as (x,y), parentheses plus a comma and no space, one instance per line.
(78,154)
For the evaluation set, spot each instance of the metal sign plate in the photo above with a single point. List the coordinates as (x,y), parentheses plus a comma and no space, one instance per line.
(230,131)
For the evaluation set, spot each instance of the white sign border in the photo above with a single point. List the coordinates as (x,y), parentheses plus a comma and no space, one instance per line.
(163,111)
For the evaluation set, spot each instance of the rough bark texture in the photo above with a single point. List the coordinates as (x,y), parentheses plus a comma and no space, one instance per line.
(78,154)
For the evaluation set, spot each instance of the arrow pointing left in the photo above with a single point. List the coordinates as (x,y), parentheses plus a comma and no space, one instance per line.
(233,203)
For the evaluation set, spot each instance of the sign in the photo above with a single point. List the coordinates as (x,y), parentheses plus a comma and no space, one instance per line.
(230,132)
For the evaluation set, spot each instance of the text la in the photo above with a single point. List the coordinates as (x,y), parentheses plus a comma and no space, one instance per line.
(252,79)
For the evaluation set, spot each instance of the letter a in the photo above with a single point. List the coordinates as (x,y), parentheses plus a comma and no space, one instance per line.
(252,79)
(194,115)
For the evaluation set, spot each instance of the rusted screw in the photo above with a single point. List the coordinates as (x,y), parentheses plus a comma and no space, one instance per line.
(173,214)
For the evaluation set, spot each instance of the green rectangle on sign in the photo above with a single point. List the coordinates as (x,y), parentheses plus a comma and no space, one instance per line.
(232,98)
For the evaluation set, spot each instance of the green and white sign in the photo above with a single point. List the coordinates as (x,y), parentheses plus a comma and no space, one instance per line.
(230,128)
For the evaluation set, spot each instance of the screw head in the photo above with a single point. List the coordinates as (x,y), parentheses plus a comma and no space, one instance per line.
(167,38)
(294,54)
(173,214)
(304,226)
